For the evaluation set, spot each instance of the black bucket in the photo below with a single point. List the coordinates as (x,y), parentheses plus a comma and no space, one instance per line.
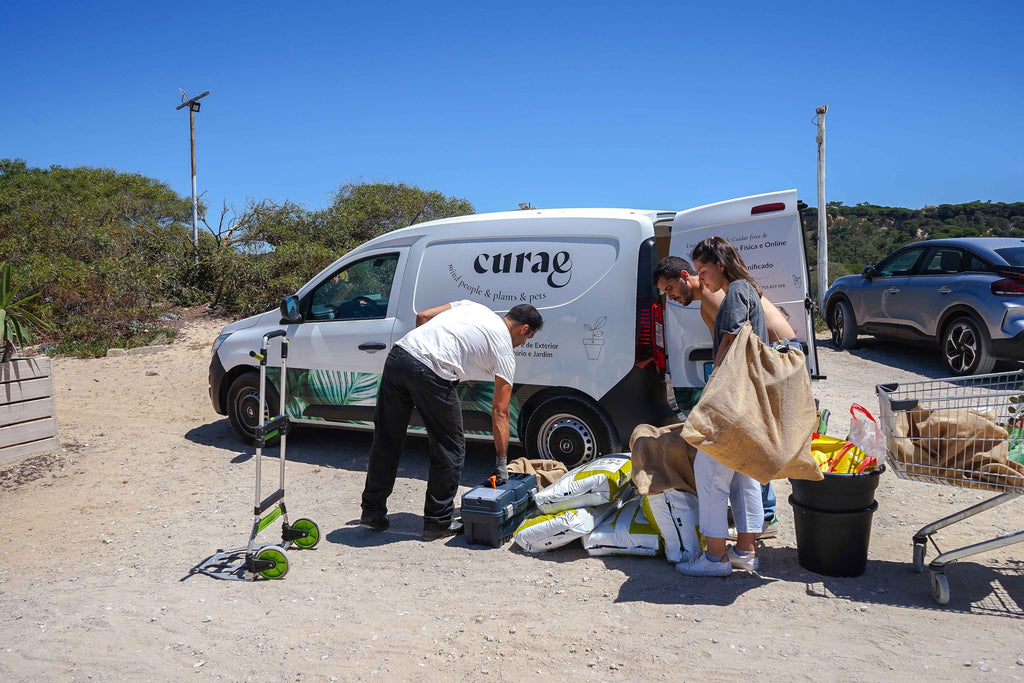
(832,543)
(838,492)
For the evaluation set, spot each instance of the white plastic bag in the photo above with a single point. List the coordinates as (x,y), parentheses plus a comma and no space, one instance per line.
(549,531)
(866,433)
(676,516)
(598,482)
(627,532)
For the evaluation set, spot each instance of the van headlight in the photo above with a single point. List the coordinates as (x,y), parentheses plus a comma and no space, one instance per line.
(218,341)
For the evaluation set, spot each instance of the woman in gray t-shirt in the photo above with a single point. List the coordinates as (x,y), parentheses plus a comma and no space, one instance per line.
(720,266)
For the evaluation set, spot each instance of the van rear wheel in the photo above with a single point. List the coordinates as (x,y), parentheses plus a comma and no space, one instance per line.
(571,431)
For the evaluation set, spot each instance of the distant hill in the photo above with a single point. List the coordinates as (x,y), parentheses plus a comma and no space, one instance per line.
(861,235)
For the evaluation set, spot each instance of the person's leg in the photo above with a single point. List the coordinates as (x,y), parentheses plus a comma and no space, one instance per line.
(712,494)
(713,481)
(768,501)
(745,495)
(390,422)
(438,403)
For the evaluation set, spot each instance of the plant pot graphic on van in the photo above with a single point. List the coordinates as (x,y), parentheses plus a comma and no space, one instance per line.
(595,343)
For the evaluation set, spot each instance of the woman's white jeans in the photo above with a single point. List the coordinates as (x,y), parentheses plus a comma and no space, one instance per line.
(717,485)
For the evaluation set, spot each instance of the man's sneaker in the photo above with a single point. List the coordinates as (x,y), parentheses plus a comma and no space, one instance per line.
(702,566)
(375,523)
(749,562)
(771,528)
(433,531)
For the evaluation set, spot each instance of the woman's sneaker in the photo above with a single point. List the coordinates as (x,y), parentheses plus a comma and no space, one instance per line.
(749,562)
(703,566)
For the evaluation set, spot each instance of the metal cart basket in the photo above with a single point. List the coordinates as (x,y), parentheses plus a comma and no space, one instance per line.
(960,431)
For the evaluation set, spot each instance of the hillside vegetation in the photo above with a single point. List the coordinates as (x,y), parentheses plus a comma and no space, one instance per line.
(111,253)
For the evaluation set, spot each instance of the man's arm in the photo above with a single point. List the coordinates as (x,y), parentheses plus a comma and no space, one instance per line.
(499,425)
(779,328)
(424,316)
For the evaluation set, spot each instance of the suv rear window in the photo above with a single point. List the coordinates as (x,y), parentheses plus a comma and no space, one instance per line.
(1013,255)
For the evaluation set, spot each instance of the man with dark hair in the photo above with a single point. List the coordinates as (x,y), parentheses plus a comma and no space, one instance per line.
(677,279)
(451,342)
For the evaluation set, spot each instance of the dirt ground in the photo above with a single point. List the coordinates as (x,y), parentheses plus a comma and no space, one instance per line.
(96,582)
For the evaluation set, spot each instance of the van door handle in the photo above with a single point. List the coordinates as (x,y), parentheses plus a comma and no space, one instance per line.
(372,346)
(893,290)
(945,290)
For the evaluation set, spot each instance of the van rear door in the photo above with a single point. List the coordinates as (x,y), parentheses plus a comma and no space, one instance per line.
(766,230)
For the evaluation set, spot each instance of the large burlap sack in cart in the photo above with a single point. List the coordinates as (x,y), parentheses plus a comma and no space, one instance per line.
(662,459)
(756,413)
(627,532)
(676,516)
(954,436)
(547,532)
(598,482)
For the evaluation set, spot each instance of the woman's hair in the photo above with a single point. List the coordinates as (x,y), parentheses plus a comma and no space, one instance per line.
(720,250)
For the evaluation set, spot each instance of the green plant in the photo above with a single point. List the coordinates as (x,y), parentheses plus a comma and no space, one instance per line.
(14,317)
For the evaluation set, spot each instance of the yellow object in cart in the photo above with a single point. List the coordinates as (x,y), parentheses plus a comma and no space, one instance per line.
(838,455)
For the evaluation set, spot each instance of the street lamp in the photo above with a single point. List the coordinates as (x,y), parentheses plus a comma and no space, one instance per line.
(193,106)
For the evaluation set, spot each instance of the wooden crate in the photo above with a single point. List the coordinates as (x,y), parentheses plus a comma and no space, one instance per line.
(28,415)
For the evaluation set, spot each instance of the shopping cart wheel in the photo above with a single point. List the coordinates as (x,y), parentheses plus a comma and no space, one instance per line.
(279,557)
(920,550)
(940,588)
(312,533)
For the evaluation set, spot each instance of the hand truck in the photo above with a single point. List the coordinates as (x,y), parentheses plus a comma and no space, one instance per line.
(267,560)
(975,423)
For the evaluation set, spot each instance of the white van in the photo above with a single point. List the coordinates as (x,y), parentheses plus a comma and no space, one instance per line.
(605,360)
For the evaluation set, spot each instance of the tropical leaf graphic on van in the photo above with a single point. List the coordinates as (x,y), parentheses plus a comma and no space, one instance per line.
(479,396)
(333,387)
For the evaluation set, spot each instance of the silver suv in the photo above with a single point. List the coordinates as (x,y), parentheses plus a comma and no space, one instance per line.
(966,295)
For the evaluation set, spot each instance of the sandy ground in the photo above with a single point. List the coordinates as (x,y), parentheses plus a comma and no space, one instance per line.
(95,578)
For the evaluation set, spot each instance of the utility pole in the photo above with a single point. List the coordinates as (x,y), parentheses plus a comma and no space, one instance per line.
(822,219)
(193,106)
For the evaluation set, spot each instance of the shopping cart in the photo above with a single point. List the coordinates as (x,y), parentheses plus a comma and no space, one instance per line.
(960,431)
(269,560)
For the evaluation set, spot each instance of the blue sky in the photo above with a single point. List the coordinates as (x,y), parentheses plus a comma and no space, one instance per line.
(659,105)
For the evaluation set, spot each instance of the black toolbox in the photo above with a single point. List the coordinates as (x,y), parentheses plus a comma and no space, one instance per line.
(491,515)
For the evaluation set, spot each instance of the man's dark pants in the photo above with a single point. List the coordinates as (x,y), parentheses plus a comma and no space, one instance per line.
(406,383)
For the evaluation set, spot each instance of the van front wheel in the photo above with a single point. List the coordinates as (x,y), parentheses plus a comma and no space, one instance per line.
(571,431)
(244,405)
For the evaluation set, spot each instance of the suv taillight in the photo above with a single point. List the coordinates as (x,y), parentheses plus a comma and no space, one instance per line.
(650,335)
(1012,284)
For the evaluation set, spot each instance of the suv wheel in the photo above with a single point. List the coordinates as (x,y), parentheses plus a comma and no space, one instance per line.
(843,326)
(965,348)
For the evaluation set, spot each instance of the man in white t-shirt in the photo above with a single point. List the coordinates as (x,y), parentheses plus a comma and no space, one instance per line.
(452,342)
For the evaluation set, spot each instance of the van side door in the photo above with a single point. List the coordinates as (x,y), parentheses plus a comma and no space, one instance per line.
(337,353)
(766,231)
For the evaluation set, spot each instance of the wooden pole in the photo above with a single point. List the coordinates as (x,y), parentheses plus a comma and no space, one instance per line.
(822,222)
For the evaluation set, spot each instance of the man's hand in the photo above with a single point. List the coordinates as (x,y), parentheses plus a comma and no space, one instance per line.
(500,471)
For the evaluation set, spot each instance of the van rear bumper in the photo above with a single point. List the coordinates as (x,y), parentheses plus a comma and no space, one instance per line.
(639,398)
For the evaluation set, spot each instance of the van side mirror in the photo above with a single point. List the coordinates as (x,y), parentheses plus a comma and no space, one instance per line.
(868,272)
(290,310)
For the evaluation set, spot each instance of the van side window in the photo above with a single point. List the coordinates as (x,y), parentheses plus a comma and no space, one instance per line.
(358,291)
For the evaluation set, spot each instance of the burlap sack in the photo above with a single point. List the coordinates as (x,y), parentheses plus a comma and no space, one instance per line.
(546,471)
(954,436)
(756,414)
(662,460)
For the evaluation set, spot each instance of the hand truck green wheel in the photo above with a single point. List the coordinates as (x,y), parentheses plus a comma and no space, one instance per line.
(278,556)
(312,533)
